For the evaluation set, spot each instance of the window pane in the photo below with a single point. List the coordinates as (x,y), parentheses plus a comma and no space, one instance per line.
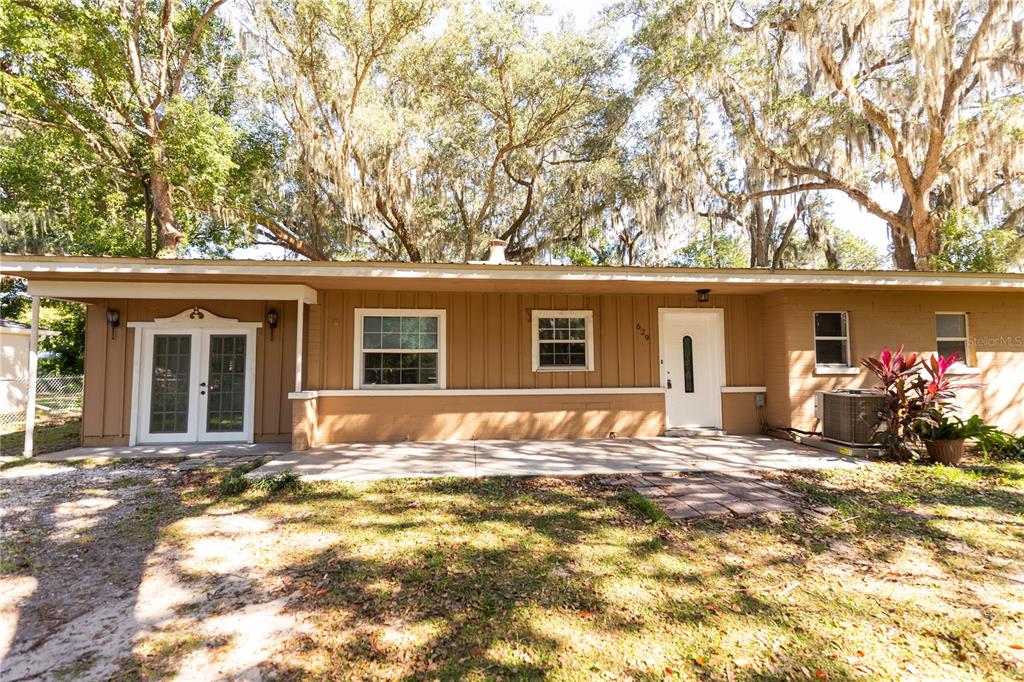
(688,364)
(959,348)
(391,324)
(565,354)
(391,340)
(371,339)
(399,369)
(829,324)
(951,326)
(371,324)
(830,352)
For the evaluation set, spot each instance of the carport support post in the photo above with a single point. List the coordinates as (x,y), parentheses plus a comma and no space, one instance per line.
(33,364)
(300,313)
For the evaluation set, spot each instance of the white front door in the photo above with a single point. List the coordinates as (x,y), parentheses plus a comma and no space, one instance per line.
(692,366)
(195,384)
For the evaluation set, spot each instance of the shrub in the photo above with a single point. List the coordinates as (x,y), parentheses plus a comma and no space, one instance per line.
(948,427)
(286,480)
(918,393)
(234,484)
(998,444)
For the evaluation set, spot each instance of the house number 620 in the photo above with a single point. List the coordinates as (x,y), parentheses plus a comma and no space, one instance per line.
(643,332)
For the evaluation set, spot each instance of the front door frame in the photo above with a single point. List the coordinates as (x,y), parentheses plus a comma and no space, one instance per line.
(199,322)
(717,316)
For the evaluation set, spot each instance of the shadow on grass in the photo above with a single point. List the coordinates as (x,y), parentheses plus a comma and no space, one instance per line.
(517,579)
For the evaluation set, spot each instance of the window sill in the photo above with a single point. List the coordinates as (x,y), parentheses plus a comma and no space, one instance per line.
(563,369)
(835,371)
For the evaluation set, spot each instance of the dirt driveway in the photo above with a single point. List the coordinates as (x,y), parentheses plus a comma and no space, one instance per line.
(85,579)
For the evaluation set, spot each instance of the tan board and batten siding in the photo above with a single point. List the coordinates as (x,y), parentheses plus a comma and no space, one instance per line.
(768,342)
(489,347)
(879,319)
(109,363)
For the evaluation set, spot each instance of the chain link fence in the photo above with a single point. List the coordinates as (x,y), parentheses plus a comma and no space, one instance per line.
(58,398)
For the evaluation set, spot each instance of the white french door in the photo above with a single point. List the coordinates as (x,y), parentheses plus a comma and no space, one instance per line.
(692,348)
(196,384)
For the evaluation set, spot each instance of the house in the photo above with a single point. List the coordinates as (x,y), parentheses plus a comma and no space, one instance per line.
(14,356)
(314,353)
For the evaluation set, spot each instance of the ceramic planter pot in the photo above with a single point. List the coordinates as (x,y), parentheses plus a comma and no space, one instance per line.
(946,451)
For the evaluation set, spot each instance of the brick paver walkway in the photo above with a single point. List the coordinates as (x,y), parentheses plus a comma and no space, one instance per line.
(707,495)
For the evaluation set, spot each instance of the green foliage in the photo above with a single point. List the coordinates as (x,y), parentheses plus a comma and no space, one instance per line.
(282,482)
(68,347)
(643,507)
(967,245)
(714,249)
(918,397)
(949,427)
(13,298)
(96,103)
(236,483)
(996,444)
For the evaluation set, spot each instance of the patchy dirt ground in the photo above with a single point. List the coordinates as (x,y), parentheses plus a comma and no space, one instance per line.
(131,572)
(88,589)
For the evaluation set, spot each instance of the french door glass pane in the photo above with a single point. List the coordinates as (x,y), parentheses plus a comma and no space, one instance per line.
(225,407)
(172,373)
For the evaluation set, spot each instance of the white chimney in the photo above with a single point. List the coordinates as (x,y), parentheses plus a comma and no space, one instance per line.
(496,256)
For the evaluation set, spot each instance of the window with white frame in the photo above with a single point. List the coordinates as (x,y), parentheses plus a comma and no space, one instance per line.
(563,340)
(951,335)
(831,339)
(399,348)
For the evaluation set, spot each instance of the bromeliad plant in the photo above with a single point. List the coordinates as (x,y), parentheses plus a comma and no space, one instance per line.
(919,391)
(950,427)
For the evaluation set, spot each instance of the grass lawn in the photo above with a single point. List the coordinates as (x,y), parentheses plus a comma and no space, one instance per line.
(48,437)
(906,572)
(917,573)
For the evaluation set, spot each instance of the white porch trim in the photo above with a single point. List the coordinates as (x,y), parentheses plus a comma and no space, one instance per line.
(459,392)
(172,290)
(33,367)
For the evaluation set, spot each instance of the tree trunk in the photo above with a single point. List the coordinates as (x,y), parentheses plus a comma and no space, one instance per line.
(902,250)
(760,236)
(926,240)
(169,235)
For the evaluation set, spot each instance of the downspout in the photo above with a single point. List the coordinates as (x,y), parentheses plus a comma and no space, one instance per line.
(33,365)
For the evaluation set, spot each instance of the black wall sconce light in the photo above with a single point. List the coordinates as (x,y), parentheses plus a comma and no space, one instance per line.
(114,320)
(703,295)
(272,321)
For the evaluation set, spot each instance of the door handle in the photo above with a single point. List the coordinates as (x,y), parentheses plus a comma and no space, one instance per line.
(669,384)
(202,386)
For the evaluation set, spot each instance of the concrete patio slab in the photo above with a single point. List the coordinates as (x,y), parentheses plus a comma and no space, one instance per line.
(363,461)
(200,451)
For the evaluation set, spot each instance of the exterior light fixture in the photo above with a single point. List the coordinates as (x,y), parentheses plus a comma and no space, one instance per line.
(703,295)
(272,321)
(114,320)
